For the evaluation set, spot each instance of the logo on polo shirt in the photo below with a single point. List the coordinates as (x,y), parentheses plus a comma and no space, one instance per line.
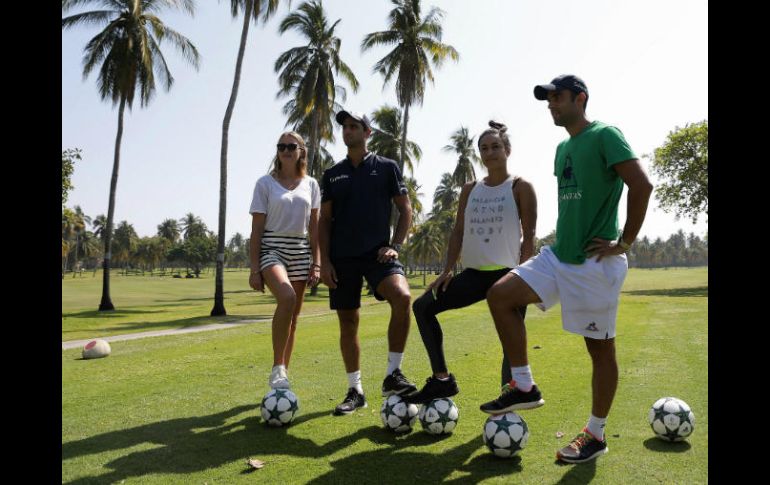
(373,172)
(339,177)
(592,327)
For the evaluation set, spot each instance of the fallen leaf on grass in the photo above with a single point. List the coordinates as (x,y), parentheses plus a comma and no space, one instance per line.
(254,463)
(559,434)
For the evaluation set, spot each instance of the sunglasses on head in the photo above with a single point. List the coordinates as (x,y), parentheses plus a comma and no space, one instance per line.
(284,146)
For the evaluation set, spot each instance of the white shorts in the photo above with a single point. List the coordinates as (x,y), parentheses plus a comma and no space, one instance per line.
(588,292)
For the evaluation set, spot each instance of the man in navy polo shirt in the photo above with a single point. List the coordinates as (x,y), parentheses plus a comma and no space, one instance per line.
(354,237)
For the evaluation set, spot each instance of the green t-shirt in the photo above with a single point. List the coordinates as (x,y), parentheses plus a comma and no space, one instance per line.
(589,189)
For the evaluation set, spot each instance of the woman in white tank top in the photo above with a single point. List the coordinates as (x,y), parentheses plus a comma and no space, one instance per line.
(494,231)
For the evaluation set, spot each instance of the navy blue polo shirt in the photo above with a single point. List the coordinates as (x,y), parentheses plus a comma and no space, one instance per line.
(361,202)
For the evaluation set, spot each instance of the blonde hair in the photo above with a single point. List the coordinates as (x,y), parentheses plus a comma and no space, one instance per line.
(301,163)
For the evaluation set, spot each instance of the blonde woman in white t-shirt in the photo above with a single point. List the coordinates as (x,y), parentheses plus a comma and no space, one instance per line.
(494,231)
(284,244)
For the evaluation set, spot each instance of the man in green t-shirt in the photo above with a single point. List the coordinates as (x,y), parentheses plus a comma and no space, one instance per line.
(586,266)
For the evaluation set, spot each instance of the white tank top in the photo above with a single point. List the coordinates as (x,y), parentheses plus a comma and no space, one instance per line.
(492,238)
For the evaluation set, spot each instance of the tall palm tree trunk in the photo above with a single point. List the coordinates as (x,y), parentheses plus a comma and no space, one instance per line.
(106,303)
(393,209)
(314,142)
(403,140)
(219,293)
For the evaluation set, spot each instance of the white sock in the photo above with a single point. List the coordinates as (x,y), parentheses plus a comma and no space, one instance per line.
(595,426)
(280,367)
(394,362)
(523,377)
(354,380)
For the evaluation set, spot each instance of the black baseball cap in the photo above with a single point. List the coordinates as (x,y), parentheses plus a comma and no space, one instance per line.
(565,81)
(360,117)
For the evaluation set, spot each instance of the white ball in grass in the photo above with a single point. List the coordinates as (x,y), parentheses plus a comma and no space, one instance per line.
(96,349)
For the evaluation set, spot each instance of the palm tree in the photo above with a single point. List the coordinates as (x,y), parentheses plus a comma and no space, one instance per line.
(425,244)
(169,230)
(128,51)
(100,226)
(193,226)
(413,191)
(252,10)
(417,46)
(81,222)
(462,145)
(386,137)
(302,123)
(445,195)
(307,72)
(125,243)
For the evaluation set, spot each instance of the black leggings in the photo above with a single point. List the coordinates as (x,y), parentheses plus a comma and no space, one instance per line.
(465,289)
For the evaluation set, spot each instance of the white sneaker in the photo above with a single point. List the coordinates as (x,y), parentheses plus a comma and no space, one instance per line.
(278,378)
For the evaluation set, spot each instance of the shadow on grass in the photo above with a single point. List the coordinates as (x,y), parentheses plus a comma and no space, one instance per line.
(181,323)
(107,314)
(691,291)
(579,473)
(193,444)
(394,466)
(657,444)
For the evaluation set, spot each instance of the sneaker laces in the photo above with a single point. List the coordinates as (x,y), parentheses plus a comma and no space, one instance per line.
(580,440)
(400,378)
(351,395)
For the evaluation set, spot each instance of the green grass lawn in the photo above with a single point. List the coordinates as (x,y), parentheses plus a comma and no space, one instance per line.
(184,409)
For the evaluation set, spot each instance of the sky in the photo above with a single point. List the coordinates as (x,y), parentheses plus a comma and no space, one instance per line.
(645,65)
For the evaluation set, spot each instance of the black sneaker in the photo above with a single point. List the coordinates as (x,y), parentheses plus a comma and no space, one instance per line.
(513,399)
(397,383)
(434,388)
(353,400)
(583,448)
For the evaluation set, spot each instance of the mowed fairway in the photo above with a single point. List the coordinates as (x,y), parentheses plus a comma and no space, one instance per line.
(184,408)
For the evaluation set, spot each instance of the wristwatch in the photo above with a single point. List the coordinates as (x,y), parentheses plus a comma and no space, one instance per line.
(623,244)
(396,247)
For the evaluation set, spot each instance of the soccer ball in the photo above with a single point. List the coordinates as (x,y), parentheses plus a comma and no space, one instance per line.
(439,416)
(398,415)
(279,407)
(505,434)
(671,419)
(96,349)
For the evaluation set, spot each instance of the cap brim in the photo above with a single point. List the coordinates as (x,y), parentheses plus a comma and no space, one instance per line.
(541,91)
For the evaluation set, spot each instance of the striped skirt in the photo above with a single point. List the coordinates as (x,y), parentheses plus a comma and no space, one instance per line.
(292,252)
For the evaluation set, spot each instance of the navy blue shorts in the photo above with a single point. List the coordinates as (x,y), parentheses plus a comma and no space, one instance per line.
(350,274)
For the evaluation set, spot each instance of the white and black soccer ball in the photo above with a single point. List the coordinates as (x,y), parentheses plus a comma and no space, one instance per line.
(671,419)
(398,415)
(505,434)
(279,407)
(439,416)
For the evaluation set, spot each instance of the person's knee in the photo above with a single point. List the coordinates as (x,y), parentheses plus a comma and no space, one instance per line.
(287,297)
(348,326)
(499,297)
(420,305)
(602,352)
(401,299)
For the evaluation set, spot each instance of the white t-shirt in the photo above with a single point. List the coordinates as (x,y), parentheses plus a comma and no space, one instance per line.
(288,211)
